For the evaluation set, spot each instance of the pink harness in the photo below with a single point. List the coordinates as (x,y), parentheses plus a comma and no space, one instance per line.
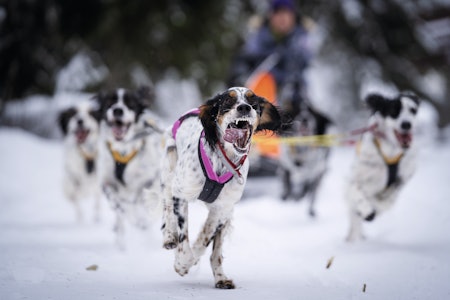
(214,183)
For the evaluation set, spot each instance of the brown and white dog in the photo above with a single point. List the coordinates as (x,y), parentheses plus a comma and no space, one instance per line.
(205,159)
(385,161)
(80,126)
(130,160)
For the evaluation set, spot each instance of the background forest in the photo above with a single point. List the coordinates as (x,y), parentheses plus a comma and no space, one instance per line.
(53,46)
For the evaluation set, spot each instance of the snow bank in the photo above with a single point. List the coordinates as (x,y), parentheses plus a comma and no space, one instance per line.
(275,251)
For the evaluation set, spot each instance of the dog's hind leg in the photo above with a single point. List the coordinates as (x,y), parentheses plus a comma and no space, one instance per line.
(312,190)
(355,232)
(287,187)
(70,189)
(212,226)
(119,229)
(169,226)
(184,257)
(97,206)
(216,259)
(78,211)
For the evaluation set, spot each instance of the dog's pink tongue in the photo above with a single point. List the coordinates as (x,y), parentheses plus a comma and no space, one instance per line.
(119,131)
(232,135)
(81,135)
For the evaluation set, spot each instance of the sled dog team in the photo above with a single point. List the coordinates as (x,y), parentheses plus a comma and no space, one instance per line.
(115,145)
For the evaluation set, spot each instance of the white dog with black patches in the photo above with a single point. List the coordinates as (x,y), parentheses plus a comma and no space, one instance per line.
(385,161)
(131,149)
(302,167)
(205,159)
(80,126)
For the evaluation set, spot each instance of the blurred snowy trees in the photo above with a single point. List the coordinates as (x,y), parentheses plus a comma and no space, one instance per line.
(50,46)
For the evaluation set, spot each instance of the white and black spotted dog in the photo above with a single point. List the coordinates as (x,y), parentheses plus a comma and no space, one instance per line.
(301,167)
(80,126)
(385,160)
(131,149)
(206,159)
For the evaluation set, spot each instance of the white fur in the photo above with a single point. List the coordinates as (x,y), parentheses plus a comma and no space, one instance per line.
(183,180)
(137,200)
(78,182)
(301,167)
(367,193)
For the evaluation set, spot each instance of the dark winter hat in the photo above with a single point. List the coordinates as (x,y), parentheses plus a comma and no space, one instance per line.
(279,4)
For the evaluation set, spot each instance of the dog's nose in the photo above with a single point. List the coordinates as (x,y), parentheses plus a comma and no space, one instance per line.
(80,122)
(405,125)
(244,108)
(118,112)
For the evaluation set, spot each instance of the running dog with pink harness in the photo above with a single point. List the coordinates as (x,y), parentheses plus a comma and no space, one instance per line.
(214,183)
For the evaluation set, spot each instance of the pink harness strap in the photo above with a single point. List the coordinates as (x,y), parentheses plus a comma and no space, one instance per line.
(207,165)
(214,183)
(177,124)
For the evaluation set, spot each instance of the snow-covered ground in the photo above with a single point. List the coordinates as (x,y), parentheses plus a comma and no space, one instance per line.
(275,251)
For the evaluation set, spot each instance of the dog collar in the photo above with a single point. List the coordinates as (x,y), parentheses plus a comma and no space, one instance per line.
(230,165)
(213,183)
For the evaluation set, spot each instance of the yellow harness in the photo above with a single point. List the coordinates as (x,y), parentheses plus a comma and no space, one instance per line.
(89,159)
(391,163)
(388,160)
(122,161)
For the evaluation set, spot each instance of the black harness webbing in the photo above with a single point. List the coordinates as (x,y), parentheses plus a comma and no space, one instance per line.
(90,166)
(211,189)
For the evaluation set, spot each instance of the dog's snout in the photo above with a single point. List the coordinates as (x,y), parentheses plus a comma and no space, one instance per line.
(118,112)
(244,108)
(405,125)
(80,122)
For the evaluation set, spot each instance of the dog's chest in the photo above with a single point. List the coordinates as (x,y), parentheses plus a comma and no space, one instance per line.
(137,167)
(80,165)
(189,174)
(378,172)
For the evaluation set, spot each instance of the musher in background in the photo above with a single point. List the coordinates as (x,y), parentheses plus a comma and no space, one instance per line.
(272,63)
(279,47)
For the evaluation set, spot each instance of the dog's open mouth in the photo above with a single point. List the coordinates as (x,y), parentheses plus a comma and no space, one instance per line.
(239,134)
(81,134)
(119,129)
(404,138)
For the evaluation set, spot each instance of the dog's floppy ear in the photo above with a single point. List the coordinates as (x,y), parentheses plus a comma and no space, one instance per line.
(208,116)
(323,122)
(411,96)
(64,118)
(376,102)
(146,95)
(100,99)
(270,117)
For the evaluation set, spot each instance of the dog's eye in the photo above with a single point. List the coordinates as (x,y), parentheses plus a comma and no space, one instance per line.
(229,101)
(413,110)
(249,94)
(130,102)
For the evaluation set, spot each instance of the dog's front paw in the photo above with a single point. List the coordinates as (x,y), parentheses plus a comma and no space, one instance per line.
(170,241)
(170,244)
(370,217)
(181,269)
(225,284)
(354,237)
(184,260)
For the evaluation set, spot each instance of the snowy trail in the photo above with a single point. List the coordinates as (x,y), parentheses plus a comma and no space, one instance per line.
(274,251)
